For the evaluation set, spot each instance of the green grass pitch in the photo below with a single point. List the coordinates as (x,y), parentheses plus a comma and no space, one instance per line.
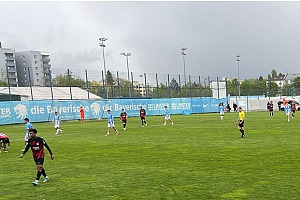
(200,157)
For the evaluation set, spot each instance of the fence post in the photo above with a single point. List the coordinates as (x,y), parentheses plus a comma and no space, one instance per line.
(87,84)
(169,86)
(209,90)
(190,86)
(156,86)
(179,86)
(69,80)
(8,83)
(146,91)
(218,87)
(30,85)
(118,84)
(51,86)
(132,85)
(199,82)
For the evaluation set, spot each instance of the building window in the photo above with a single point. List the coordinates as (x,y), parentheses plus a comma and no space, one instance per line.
(35,62)
(24,68)
(37,80)
(34,56)
(23,62)
(36,74)
(36,68)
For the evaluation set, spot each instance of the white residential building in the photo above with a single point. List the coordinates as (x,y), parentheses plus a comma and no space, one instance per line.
(8,66)
(33,64)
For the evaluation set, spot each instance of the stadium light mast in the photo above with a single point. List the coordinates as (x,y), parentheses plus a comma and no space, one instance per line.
(238,63)
(127,55)
(184,54)
(101,44)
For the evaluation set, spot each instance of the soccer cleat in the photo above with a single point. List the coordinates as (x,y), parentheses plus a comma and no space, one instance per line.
(172,123)
(165,124)
(46,179)
(35,182)
(107,134)
(124,129)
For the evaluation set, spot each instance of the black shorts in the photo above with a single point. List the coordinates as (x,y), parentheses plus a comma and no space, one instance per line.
(6,140)
(241,123)
(124,121)
(39,161)
(142,118)
(293,111)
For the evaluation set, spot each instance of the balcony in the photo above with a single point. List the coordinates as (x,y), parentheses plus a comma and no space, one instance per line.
(11,70)
(46,71)
(45,59)
(10,64)
(10,58)
(12,76)
(46,67)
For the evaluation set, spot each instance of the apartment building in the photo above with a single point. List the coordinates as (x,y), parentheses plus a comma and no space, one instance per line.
(34,66)
(8,71)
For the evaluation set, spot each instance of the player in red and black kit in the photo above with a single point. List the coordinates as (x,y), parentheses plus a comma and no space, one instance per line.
(3,141)
(293,108)
(143,116)
(37,147)
(123,119)
(271,107)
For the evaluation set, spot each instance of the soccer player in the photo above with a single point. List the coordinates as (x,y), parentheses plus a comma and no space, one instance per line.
(28,126)
(271,108)
(123,118)
(221,109)
(287,109)
(167,116)
(293,108)
(110,124)
(37,147)
(240,121)
(57,122)
(3,141)
(143,116)
(81,114)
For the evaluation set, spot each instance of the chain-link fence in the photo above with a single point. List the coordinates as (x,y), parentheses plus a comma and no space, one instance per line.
(120,84)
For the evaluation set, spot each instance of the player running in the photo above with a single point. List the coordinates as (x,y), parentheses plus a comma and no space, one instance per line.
(240,121)
(57,122)
(293,108)
(167,116)
(143,116)
(28,126)
(221,110)
(4,140)
(287,109)
(37,147)
(81,114)
(123,118)
(110,124)
(271,108)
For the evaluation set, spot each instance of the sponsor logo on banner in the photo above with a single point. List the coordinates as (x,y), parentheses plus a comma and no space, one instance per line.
(95,108)
(21,111)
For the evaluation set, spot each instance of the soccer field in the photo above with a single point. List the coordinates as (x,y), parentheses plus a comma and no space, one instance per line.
(200,157)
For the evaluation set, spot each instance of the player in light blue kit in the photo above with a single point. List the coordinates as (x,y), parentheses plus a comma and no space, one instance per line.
(57,122)
(287,109)
(110,123)
(221,110)
(28,126)
(167,116)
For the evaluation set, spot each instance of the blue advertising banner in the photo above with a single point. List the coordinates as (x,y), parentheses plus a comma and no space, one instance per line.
(38,111)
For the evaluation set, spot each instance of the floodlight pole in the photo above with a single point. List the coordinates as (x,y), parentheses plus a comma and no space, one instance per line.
(101,44)
(183,54)
(238,62)
(128,76)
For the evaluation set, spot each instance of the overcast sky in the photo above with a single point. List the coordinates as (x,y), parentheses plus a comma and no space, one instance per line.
(265,34)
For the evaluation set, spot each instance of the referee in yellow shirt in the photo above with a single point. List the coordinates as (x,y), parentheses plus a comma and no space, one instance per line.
(240,121)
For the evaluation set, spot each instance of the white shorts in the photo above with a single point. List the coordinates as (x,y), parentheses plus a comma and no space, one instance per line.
(287,114)
(26,138)
(167,118)
(110,125)
(222,113)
